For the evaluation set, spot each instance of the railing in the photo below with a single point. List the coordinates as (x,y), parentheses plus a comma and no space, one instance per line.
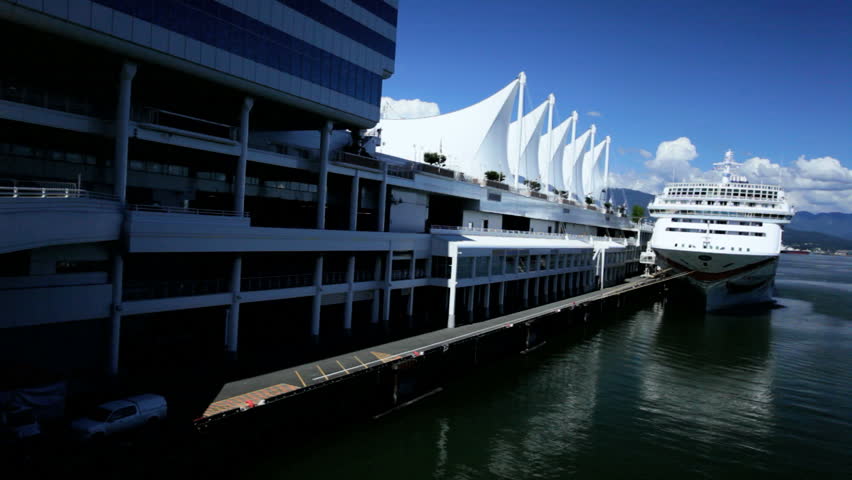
(142,290)
(400,274)
(719,185)
(186,210)
(51,192)
(284,148)
(361,161)
(165,118)
(400,171)
(251,284)
(511,233)
(14,91)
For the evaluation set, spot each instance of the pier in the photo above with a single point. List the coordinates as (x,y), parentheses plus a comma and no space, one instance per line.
(385,377)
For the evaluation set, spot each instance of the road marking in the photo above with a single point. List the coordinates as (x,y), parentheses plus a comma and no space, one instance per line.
(323,373)
(384,357)
(341,366)
(362,363)
(300,378)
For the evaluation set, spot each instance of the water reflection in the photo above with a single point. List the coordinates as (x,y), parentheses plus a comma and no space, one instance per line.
(707,381)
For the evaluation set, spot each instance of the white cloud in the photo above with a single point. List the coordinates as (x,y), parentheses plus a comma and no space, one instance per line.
(821,184)
(594,113)
(396,109)
(673,154)
(645,153)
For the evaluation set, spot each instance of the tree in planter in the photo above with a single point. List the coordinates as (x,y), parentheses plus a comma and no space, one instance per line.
(637,212)
(589,200)
(434,158)
(608,207)
(495,176)
(621,209)
(533,185)
(561,193)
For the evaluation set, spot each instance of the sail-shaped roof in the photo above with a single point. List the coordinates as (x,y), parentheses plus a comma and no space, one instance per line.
(474,139)
(550,154)
(573,164)
(592,174)
(526,141)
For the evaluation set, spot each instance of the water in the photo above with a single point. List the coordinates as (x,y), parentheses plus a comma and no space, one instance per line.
(656,391)
(664,392)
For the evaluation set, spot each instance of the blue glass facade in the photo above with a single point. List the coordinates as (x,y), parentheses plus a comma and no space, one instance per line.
(218,25)
(340,23)
(379,8)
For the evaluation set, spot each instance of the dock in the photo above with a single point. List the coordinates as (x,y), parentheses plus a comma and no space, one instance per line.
(508,334)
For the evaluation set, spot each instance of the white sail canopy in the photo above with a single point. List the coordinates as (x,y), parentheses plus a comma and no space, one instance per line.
(573,164)
(592,173)
(550,154)
(474,139)
(525,139)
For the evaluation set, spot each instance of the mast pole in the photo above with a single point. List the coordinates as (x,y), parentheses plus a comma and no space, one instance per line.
(523,81)
(551,99)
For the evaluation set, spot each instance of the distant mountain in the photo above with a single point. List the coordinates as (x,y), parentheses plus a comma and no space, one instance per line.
(834,224)
(811,240)
(632,197)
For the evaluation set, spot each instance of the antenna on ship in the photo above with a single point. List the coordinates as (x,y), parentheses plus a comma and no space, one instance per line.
(727,165)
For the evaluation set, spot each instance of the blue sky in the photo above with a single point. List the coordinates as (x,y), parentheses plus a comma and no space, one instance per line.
(771,80)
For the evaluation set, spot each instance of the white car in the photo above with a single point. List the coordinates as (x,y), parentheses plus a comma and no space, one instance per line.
(120,415)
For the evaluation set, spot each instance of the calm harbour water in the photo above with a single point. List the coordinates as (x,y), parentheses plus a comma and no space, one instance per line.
(664,391)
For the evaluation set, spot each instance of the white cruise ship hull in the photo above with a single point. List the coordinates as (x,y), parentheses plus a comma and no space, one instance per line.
(725,280)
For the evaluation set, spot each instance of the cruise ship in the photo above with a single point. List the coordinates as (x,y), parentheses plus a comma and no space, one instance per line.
(728,234)
(189,183)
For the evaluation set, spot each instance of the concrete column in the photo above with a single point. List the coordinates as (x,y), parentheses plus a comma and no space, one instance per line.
(322,189)
(240,177)
(536,286)
(486,301)
(115,317)
(377,275)
(317,301)
(526,293)
(383,197)
(353,202)
(471,293)
(412,271)
(501,296)
(122,131)
(388,279)
(233,328)
(451,308)
(350,295)
(410,311)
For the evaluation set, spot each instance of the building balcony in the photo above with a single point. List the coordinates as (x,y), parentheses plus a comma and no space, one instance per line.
(55,214)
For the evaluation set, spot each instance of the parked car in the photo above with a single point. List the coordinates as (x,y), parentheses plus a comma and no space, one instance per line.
(120,415)
(19,424)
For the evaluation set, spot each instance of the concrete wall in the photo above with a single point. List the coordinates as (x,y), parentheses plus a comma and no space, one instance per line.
(476,219)
(541,225)
(36,306)
(408,211)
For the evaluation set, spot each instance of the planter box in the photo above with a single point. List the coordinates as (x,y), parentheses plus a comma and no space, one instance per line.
(496,184)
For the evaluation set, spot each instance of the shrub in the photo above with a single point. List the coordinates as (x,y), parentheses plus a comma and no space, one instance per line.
(495,176)
(434,158)
(534,186)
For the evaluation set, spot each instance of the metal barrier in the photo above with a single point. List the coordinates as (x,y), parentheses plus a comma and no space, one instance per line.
(143,290)
(15,191)
(252,284)
(187,210)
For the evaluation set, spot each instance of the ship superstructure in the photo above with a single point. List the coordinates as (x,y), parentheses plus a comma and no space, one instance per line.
(727,233)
